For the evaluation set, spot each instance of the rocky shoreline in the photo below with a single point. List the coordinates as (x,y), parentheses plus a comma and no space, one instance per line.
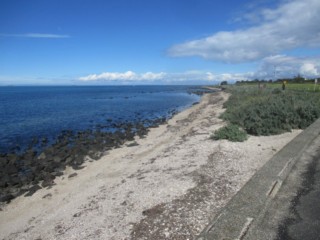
(31,170)
(165,186)
(37,167)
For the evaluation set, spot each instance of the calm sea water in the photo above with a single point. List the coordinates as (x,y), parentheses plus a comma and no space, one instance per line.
(29,112)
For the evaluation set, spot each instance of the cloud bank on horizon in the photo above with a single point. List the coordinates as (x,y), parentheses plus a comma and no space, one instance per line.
(292,25)
(130,76)
(284,65)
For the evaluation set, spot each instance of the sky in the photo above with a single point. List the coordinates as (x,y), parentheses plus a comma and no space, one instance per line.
(130,42)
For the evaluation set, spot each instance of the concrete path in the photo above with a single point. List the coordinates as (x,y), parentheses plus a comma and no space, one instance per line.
(294,213)
(281,201)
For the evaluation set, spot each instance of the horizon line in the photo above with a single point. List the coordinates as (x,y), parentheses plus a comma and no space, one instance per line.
(35,35)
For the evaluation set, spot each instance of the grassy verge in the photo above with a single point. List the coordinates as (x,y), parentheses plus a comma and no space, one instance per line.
(310,87)
(270,111)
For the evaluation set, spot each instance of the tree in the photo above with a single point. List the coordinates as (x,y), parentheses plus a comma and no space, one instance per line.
(224,83)
(298,79)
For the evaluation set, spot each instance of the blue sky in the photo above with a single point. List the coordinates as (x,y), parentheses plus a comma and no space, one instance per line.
(156,41)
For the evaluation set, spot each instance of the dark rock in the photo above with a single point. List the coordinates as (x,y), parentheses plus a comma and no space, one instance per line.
(11,169)
(3,162)
(15,191)
(77,167)
(27,176)
(4,181)
(24,172)
(95,154)
(6,198)
(14,180)
(48,180)
(47,183)
(72,175)
(21,192)
(57,173)
(77,214)
(32,190)
(49,151)
(25,187)
(47,195)
(49,168)
(26,162)
(69,160)
(79,160)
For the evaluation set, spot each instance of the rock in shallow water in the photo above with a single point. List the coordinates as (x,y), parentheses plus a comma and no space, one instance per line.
(23,172)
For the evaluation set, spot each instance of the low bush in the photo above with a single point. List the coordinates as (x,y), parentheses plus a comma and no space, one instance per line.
(230,132)
(269,112)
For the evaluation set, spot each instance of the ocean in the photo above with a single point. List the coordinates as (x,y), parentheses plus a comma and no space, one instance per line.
(29,113)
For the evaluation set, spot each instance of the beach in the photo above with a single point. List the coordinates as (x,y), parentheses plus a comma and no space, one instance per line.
(167,185)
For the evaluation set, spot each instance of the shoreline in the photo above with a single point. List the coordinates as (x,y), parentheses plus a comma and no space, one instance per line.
(166,187)
(37,166)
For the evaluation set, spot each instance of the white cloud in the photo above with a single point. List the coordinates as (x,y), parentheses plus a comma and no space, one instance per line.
(293,24)
(288,66)
(152,76)
(309,69)
(125,76)
(34,35)
(162,77)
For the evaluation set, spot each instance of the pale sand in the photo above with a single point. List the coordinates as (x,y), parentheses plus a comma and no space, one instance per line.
(167,187)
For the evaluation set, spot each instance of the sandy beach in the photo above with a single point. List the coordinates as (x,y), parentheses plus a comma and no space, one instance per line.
(167,186)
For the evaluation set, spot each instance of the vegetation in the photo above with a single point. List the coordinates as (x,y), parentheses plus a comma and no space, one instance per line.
(267,111)
(231,132)
(309,87)
(224,83)
(296,83)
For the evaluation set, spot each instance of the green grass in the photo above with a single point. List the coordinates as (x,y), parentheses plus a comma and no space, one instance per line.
(310,87)
(231,132)
(270,111)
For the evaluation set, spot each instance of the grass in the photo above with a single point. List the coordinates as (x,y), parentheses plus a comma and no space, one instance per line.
(269,111)
(310,87)
(231,132)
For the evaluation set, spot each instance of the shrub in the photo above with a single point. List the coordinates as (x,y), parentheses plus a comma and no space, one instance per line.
(308,114)
(276,91)
(230,132)
(270,112)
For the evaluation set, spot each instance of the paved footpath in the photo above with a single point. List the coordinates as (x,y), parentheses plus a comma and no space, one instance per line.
(281,201)
(301,218)
(294,213)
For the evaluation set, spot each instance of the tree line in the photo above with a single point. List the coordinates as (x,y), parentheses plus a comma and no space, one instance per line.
(295,79)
